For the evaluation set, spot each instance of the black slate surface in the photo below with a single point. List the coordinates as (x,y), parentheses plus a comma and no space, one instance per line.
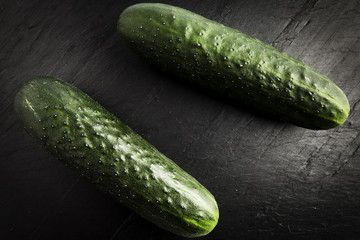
(272,180)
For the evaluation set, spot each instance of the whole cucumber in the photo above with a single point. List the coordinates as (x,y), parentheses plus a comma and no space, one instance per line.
(233,65)
(86,137)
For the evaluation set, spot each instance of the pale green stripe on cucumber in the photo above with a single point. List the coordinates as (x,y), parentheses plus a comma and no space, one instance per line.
(86,137)
(234,65)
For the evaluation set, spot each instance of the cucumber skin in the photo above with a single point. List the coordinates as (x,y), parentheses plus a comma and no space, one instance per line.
(86,137)
(233,65)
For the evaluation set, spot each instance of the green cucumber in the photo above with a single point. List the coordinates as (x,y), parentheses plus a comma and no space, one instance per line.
(86,137)
(234,65)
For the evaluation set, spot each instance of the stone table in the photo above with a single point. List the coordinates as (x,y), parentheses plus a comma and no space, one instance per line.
(272,180)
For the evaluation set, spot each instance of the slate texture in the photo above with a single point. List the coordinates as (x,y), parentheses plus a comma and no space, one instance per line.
(272,180)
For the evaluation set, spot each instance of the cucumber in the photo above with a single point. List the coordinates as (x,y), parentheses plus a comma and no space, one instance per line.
(86,137)
(234,65)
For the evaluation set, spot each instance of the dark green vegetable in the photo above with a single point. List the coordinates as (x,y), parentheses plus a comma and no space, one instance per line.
(233,64)
(86,137)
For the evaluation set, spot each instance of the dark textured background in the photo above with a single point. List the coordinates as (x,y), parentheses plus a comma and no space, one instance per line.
(272,180)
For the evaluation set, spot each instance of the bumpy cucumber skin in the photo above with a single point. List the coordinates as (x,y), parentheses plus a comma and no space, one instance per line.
(88,138)
(234,65)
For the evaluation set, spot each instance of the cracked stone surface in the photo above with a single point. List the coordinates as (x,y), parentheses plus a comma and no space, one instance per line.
(272,180)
